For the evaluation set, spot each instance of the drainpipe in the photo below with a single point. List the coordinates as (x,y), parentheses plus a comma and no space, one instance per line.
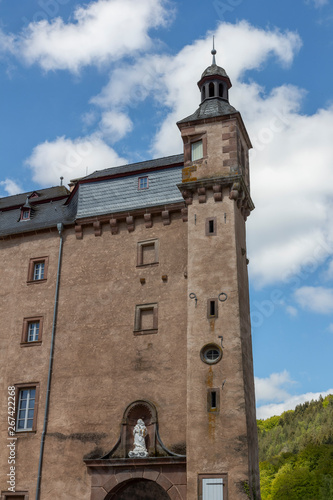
(55,311)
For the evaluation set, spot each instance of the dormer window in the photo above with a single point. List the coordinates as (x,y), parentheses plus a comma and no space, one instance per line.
(25,213)
(143,183)
(34,195)
(196,150)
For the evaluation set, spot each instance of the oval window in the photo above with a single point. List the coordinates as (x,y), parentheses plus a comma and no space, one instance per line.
(211,353)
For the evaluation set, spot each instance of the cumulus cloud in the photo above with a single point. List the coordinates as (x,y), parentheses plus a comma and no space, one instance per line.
(70,159)
(114,125)
(292,311)
(315,298)
(269,410)
(11,187)
(102,31)
(273,388)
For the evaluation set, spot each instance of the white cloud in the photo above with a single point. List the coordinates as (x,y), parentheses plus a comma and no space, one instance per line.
(272,388)
(319,3)
(11,187)
(292,311)
(70,159)
(114,125)
(317,299)
(290,403)
(102,31)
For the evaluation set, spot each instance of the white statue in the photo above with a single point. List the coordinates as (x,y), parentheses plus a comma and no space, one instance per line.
(139,432)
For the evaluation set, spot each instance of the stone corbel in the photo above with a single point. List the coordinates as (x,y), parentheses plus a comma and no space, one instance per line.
(78,232)
(148,220)
(202,195)
(114,226)
(234,193)
(166,217)
(130,223)
(188,196)
(97,228)
(185,214)
(217,190)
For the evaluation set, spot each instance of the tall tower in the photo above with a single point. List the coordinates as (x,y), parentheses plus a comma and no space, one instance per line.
(222,445)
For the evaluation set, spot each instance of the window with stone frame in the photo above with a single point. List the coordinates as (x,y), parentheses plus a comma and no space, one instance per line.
(146,320)
(26,409)
(147,252)
(37,271)
(32,330)
(213,486)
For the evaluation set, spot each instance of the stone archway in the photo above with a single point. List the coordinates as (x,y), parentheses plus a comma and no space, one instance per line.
(140,489)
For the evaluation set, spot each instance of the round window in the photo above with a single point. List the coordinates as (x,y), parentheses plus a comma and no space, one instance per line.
(211,353)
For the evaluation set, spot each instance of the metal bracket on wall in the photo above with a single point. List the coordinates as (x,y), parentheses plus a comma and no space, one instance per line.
(193,296)
(221,337)
(223,297)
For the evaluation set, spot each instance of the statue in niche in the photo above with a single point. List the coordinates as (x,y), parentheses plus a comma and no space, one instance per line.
(139,433)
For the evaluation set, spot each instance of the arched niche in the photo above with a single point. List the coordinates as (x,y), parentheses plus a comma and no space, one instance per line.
(140,489)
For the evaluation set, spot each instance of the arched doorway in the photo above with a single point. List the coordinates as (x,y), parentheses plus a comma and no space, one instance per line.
(141,489)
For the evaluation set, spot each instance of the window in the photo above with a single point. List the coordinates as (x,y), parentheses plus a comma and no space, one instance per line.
(145,319)
(143,183)
(26,413)
(212,308)
(32,330)
(25,214)
(210,226)
(211,354)
(147,252)
(196,150)
(213,400)
(18,495)
(37,270)
(213,486)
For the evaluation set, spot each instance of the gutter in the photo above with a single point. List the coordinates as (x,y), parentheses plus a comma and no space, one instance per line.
(48,390)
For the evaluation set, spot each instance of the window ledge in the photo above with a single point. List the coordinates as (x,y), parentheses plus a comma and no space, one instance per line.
(145,332)
(31,282)
(28,344)
(25,432)
(150,264)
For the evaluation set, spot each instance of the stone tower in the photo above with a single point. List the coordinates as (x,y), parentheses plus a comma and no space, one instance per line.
(222,445)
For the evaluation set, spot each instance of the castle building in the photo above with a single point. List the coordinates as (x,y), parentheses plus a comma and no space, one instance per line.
(126,354)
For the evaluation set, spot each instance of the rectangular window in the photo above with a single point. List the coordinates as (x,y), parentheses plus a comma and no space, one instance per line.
(145,319)
(143,183)
(212,308)
(210,226)
(18,495)
(32,330)
(25,214)
(37,271)
(213,486)
(147,252)
(213,400)
(26,408)
(196,150)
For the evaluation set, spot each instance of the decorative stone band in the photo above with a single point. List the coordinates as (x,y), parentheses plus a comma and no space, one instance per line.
(238,191)
(113,220)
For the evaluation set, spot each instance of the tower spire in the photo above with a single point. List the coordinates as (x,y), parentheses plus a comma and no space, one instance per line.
(213,52)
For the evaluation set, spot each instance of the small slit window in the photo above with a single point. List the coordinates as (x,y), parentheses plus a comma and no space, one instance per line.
(220,90)
(143,183)
(212,308)
(196,150)
(211,223)
(213,400)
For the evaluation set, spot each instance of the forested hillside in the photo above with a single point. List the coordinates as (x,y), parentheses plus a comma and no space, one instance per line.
(296,453)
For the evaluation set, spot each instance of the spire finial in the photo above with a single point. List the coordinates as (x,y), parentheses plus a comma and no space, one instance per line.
(213,52)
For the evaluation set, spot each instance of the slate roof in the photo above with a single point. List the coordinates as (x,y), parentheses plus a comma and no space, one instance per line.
(43,215)
(214,70)
(210,108)
(121,194)
(45,194)
(143,165)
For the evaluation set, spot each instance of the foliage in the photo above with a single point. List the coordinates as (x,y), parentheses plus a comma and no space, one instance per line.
(296,453)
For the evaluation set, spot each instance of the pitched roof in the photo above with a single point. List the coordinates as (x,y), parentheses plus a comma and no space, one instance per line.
(210,108)
(44,194)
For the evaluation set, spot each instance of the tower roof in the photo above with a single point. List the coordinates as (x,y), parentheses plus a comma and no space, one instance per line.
(214,70)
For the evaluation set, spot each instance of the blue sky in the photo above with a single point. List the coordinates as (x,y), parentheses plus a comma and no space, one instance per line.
(88,85)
